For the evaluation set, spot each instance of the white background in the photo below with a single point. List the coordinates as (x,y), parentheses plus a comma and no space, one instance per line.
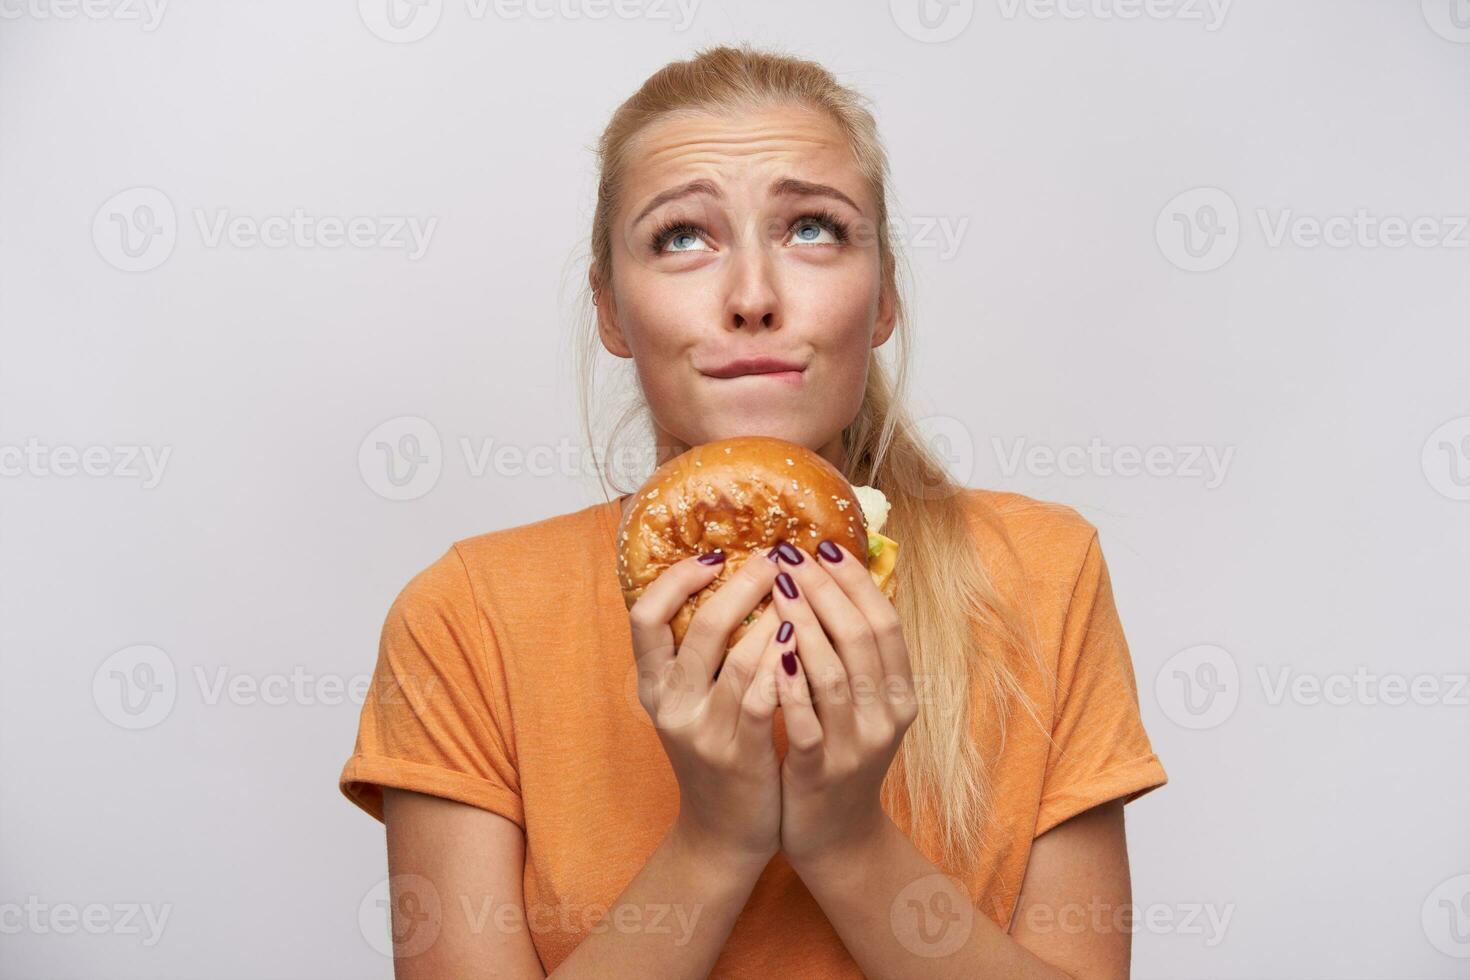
(1332,547)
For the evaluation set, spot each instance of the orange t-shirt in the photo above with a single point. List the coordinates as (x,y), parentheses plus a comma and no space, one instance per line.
(505,679)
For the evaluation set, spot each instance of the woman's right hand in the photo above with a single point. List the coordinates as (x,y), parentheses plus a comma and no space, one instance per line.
(716,731)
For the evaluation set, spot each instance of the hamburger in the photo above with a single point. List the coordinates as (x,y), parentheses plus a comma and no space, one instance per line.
(741,496)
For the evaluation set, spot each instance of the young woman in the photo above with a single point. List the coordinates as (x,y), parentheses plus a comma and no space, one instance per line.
(539,822)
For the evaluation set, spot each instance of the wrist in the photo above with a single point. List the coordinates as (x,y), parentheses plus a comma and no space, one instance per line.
(849,855)
(710,855)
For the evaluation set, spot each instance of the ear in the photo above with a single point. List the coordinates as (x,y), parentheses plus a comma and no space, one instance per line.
(887,317)
(607,319)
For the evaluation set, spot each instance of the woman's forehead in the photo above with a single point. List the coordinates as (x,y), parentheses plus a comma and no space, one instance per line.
(733,146)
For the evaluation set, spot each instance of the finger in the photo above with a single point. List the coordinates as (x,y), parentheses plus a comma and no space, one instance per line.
(852,576)
(649,617)
(844,623)
(823,668)
(804,736)
(709,631)
(739,669)
(754,729)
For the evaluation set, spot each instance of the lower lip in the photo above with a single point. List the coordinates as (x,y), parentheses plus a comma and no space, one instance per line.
(785,377)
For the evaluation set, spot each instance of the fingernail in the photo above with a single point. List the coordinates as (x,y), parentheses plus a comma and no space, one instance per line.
(786,585)
(829,551)
(775,551)
(790,553)
(784,633)
(788,662)
(713,558)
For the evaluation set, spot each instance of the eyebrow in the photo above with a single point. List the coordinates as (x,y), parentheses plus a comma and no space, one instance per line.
(783,187)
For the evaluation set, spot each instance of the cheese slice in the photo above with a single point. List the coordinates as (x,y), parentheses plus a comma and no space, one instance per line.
(882,558)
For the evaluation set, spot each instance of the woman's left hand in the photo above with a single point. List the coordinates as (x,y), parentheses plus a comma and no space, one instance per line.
(846,706)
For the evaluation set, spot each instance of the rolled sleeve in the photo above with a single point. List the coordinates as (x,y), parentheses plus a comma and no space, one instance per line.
(1099,750)
(435,718)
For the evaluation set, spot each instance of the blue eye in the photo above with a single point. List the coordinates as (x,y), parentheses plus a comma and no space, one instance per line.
(676,236)
(808,229)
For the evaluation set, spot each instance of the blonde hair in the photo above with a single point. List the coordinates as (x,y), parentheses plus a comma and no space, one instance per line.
(961,636)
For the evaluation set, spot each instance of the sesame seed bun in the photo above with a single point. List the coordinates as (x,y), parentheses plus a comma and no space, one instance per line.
(740,496)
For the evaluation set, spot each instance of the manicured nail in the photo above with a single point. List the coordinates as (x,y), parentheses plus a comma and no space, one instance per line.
(788,662)
(713,558)
(775,552)
(786,585)
(828,550)
(790,553)
(784,633)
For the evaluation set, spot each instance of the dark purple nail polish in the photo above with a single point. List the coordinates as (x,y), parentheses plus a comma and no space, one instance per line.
(788,662)
(828,550)
(713,558)
(790,553)
(775,552)
(784,633)
(786,585)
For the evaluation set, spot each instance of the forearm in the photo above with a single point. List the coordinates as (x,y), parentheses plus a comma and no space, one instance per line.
(699,894)
(900,916)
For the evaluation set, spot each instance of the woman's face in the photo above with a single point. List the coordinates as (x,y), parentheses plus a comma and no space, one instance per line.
(741,237)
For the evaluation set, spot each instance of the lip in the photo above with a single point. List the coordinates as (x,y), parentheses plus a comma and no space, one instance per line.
(782,370)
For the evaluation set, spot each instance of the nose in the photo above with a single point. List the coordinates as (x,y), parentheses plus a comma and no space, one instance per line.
(753,300)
